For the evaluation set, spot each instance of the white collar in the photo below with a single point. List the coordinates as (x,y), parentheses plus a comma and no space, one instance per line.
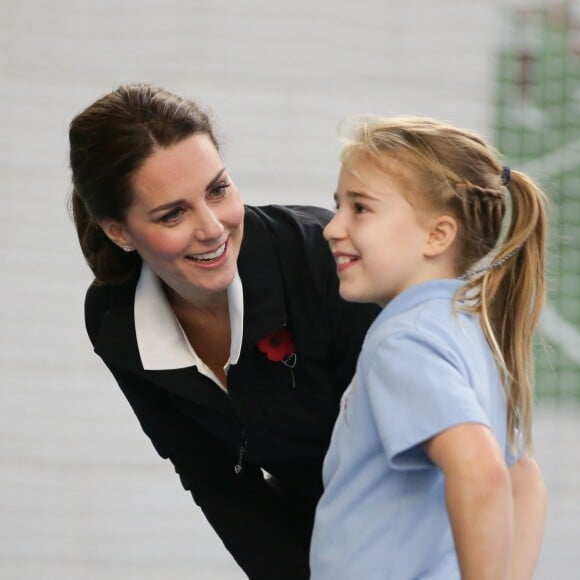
(161,340)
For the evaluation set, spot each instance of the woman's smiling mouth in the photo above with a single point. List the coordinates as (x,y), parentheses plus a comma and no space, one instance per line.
(209,256)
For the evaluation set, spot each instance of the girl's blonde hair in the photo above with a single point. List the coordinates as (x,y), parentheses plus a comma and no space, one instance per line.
(456,172)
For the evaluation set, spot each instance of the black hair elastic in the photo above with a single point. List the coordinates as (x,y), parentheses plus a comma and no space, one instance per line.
(506,175)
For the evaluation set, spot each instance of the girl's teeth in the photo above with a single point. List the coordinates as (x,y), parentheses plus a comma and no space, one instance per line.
(342,260)
(210,255)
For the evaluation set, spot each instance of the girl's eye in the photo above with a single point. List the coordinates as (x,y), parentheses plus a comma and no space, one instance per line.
(359,208)
(171,216)
(220,190)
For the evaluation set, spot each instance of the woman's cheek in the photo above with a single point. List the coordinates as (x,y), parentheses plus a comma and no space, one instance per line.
(238,218)
(168,243)
(236,210)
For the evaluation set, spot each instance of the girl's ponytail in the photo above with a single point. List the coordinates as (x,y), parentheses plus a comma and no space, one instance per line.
(512,297)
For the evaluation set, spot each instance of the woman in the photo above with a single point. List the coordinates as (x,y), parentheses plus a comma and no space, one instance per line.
(220,322)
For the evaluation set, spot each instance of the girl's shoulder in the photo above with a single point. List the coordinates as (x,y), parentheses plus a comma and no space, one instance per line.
(435,324)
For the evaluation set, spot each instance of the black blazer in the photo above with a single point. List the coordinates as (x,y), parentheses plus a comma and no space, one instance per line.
(272,418)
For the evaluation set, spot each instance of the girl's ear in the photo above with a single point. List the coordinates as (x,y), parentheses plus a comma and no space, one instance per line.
(116,232)
(441,236)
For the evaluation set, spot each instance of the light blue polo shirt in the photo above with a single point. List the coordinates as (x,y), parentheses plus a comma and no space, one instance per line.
(422,369)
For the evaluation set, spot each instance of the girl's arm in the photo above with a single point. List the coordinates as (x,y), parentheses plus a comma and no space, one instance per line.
(479,499)
(529,496)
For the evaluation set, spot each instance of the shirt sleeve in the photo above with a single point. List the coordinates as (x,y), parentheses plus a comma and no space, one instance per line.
(252,518)
(416,390)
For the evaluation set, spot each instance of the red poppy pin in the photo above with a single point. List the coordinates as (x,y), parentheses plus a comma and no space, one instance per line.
(279,347)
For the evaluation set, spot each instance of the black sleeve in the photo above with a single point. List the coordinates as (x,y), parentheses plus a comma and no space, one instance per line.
(250,516)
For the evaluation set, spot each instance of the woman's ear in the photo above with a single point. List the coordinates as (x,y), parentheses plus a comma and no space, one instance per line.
(441,236)
(117,233)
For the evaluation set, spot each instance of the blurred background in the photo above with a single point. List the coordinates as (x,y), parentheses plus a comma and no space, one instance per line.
(83,495)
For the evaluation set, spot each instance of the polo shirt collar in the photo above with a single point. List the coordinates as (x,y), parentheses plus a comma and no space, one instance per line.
(442,288)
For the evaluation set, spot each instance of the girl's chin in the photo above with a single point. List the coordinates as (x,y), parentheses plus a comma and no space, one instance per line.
(349,296)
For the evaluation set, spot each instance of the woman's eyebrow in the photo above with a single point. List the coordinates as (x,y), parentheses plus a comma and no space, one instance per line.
(213,182)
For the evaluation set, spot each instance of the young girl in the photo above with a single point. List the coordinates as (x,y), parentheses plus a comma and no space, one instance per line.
(417,483)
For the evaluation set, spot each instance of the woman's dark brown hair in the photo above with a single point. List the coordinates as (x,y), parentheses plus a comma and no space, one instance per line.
(109,141)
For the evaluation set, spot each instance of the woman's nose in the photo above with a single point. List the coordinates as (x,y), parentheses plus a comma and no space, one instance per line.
(208,225)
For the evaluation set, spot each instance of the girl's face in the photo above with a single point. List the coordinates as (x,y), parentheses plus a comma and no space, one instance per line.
(375,236)
(186,219)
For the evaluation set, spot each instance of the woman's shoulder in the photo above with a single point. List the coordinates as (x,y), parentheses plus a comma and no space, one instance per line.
(290,227)
(101,299)
(96,304)
(99,294)
(292,216)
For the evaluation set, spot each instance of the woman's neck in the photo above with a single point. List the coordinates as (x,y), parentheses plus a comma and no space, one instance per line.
(213,304)
(206,324)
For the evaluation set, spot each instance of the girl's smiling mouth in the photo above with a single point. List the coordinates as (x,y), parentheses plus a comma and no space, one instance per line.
(344,261)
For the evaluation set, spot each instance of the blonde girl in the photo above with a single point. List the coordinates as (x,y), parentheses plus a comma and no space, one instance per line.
(429,473)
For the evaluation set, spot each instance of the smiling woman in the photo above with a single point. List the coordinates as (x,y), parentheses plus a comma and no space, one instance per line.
(221,323)
(185,220)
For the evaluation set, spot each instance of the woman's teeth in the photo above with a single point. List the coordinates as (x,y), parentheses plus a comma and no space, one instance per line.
(209,256)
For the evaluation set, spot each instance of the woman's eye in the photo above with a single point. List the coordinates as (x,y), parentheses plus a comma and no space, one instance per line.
(359,208)
(220,190)
(171,216)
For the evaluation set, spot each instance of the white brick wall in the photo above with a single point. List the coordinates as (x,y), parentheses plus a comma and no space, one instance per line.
(82,493)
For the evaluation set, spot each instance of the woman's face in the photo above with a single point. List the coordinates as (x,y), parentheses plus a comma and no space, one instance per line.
(186,219)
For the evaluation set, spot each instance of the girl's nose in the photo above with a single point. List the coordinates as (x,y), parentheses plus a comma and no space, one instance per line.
(332,229)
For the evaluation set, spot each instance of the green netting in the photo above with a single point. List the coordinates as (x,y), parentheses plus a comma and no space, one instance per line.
(538,130)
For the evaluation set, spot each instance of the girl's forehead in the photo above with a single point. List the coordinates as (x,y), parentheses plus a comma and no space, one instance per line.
(389,174)
(387,169)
